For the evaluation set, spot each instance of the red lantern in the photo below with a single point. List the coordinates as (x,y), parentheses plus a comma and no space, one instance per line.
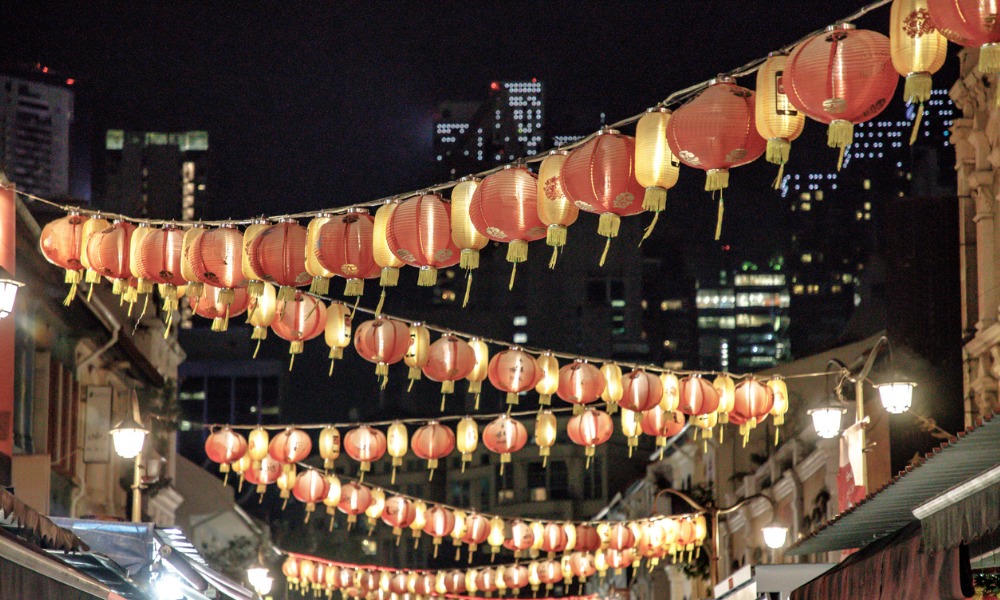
(310,487)
(580,383)
(454,582)
(504,436)
(969,23)
(439,524)
(697,396)
(752,405)
(424,585)
(582,564)
(278,255)
(590,429)
(433,442)
(419,234)
(344,248)
(398,514)
(504,208)
(354,500)
(477,529)
(513,371)
(550,572)
(215,258)
(225,446)
(299,320)
(521,538)
(307,570)
(108,252)
(641,391)
(618,559)
(263,475)
(366,445)
(383,342)
(715,132)
(621,537)
(290,569)
(449,359)
(397,583)
(516,577)
(486,581)
(554,539)
(841,77)
(662,424)
(210,306)
(60,243)
(290,446)
(160,262)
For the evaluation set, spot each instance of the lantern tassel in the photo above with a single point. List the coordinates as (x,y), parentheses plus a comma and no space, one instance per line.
(777,433)
(381,302)
(722,435)
(320,286)
(513,274)
(354,308)
(428,277)
(389,277)
(354,287)
(554,257)
(72,278)
(779,177)
(168,322)
(517,252)
(468,287)
(718,220)
(656,201)
(469,259)
(257,349)
(840,135)
(286,294)
(989,59)
(443,398)
(255,289)
(608,226)
(90,292)
(916,123)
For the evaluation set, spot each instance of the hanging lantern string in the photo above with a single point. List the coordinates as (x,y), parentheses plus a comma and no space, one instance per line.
(673,99)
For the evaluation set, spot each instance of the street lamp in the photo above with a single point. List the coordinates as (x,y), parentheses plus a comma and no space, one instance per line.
(774,534)
(128,436)
(897,396)
(259,577)
(8,291)
(826,420)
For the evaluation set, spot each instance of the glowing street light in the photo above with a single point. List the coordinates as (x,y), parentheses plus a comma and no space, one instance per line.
(826,421)
(8,291)
(896,396)
(128,436)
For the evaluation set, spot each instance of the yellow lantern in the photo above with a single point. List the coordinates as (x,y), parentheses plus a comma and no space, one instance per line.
(467,439)
(545,434)
(726,387)
(777,120)
(332,498)
(549,382)
(143,286)
(533,579)
(458,532)
(94,224)
(537,530)
(496,536)
(631,428)
(320,277)
(338,330)
(779,391)
(463,232)
(671,392)
(601,564)
(501,582)
(567,569)
(195,287)
(329,445)
(375,509)
(700,530)
(285,483)
(481,371)
(656,167)
(439,586)
(239,467)
(397,443)
(256,286)
(416,353)
(613,390)
(419,520)
(706,423)
(257,442)
(918,50)
(554,209)
(570,530)
(262,312)
(470,581)
(384,257)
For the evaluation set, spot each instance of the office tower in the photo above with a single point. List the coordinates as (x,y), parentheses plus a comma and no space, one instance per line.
(35,120)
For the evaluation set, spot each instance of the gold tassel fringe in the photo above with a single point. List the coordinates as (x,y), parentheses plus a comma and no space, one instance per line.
(468,288)
(989,59)
(469,259)
(555,235)
(320,285)
(916,123)
(92,276)
(354,287)
(389,277)
(718,220)
(716,179)
(656,201)
(778,150)
(117,286)
(286,294)
(255,289)
(428,277)
(144,286)
(381,302)
(840,135)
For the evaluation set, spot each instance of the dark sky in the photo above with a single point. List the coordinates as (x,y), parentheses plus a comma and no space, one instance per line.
(321,104)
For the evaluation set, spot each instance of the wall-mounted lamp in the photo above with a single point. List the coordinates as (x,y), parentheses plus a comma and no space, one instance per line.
(8,291)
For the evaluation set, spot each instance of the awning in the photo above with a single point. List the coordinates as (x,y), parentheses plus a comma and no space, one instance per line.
(895,567)
(26,571)
(963,514)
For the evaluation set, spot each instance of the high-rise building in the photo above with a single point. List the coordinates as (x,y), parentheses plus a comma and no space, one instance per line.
(35,120)
(155,174)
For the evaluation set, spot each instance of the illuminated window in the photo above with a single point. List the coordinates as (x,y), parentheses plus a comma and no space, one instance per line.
(520,338)
(798,289)
(805,196)
(806,206)
(520,321)
(867,184)
(807,258)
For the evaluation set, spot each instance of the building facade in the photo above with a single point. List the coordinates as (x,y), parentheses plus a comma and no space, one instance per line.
(35,120)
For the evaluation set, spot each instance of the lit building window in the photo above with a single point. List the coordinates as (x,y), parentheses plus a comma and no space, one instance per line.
(807,258)
(520,338)
(520,321)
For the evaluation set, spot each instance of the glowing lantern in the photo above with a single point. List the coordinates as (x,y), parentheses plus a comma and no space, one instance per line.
(477,529)
(383,254)
(537,530)
(918,50)
(240,467)
(467,439)
(671,391)
(329,445)
(255,280)
(656,167)
(424,585)
(454,582)
(320,275)
(290,446)
(433,442)
(354,500)
(516,577)
(419,520)
(618,559)
(440,523)
(337,332)
(967,23)
(587,539)
(332,498)
(590,429)
(108,253)
(397,442)
(697,396)
(160,262)
(631,428)
(580,383)
(599,177)
(548,382)
(612,393)
(213,256)
(398,514)
(419,233)
(225,446)
(257,445)
(61,244)
(550,573)
(463,232)
(307,569)
(553,539)
(365,445)
(641,391)
(383,342)
(583,565)
(715,132)
(841,77)
(504,208)
(471,577)
(504,436)
(651,545)
(570,530)
(376,508)
(554,209)
(290,569)
(753,403)
(726,388)
(449,359)
(496,537)
(285,482)
(310,487)
(143,285)
(545,434)
(263,474)
(776,119)
(662,424)
(189,266)
(513,371)
(486,581)
(480,370)
(779,406)
(210,305)
(262,312)
(277,254)
(344,248)
(299,320)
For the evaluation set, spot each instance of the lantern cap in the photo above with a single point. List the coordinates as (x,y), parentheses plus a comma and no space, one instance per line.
(606,130)
(841,27)
(722,78)
(357,209)
(287,220)
(555,151)
(469,178)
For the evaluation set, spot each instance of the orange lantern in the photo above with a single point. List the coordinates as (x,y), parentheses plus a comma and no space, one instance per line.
(555,209)
(504,436)
(516,577)
(583,565)
(553,539)
(365,445)
(467,439)
(918,50)
(550,573)
(299,320)
(513,371)
(618,559)
(320,276)
(599,177)
(477,529)
(329,445)
(480,370)
(344,248)
(521,538)
(504,208)
(277,254)
(108,253)
(91,226)
(463,231)
(590,429)
(210,305)
(776,119)
(398,514)
(968,23)
(641,391)
(449,359)
(337,332)
(225,446)
(419,234)
(752,404)
(290,569)
(454,582)
(307,570)
(354,500)
(240,467)
(715,132)
(214,259)
(587,539)
(545,434)
(662,424)
(263,474)
(60,243)
(384,257)
(416,351)
(433,442)
(697,396)
(486,581)
(160,262)
(440,522)
(656,167)
(621,537)
(841,77)
(383,342)
(397,442)
(310,487)
(580,383)
(290,446)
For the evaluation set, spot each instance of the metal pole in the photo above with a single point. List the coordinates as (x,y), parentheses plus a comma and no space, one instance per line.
(137,490)
(713,565)
(859,396)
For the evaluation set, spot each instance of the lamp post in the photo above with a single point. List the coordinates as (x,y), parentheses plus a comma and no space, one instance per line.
(258,575)
(128,436)
(774,534)
(8,291)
